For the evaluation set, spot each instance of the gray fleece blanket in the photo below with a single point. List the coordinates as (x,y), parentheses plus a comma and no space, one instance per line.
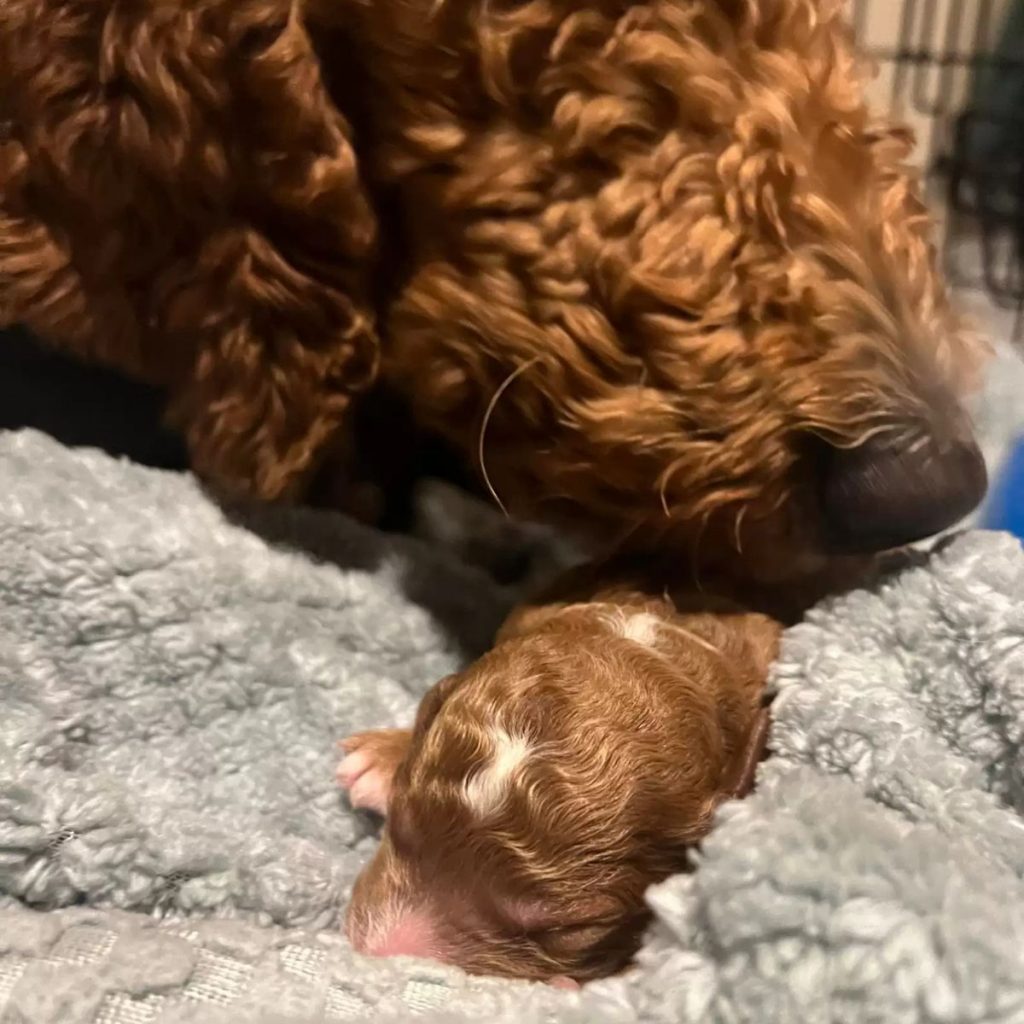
(173,679)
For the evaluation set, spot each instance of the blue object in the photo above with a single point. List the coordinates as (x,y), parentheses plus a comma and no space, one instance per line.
(1005,507)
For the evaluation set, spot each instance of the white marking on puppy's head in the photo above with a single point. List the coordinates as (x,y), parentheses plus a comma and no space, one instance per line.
(486,789)
(640,627)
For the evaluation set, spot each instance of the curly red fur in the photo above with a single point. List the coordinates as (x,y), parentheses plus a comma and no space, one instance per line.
(671,226)
(181,199)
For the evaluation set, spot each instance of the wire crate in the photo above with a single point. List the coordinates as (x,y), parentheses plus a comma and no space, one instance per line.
(954,70)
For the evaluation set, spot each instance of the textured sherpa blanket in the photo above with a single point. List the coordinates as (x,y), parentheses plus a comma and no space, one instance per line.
(172,848)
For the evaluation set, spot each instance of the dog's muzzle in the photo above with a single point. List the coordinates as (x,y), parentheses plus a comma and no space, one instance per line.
(883,495)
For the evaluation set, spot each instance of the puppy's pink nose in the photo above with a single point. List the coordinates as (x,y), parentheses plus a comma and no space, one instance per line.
(409,933)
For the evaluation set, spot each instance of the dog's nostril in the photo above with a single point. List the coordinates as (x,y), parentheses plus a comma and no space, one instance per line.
(882,494)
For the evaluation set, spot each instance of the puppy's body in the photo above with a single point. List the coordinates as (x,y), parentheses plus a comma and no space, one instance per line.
(545,788)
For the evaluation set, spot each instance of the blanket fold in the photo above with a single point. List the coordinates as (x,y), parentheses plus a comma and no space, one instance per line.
(173,848)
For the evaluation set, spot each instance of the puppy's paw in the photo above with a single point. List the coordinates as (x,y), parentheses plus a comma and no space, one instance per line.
(369,765)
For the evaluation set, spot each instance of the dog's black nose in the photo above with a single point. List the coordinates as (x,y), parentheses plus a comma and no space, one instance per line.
(884,494)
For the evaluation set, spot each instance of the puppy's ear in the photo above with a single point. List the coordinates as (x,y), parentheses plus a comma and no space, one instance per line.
(739,780)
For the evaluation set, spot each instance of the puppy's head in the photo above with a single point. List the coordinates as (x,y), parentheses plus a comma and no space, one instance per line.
(541,797)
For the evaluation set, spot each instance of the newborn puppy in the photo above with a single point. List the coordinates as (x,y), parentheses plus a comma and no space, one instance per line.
(541,791)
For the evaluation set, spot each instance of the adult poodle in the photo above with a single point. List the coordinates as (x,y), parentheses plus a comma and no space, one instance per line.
(650,266)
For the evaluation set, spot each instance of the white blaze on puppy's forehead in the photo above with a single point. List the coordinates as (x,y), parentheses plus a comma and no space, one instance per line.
(488,786)
(640,627)
(643,628)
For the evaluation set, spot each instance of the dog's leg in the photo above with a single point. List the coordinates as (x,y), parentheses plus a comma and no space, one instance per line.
(370,762)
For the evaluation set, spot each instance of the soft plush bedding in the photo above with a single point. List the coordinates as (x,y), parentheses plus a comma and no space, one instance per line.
(174,676)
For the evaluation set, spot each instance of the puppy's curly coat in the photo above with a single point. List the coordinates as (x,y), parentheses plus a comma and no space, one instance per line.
(651,265)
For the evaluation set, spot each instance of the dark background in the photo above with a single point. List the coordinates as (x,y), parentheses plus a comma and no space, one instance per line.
(82,405)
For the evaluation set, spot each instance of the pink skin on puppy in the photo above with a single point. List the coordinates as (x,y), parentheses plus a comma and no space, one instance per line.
(543,790)
(363,773)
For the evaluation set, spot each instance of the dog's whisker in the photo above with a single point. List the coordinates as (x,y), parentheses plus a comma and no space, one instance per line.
(666,479)
(738,528)
(921,442)
(506,383)
(695,562)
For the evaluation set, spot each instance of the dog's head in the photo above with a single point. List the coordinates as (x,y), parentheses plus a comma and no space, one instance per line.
(545,791)
(670,281)
(650,264)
